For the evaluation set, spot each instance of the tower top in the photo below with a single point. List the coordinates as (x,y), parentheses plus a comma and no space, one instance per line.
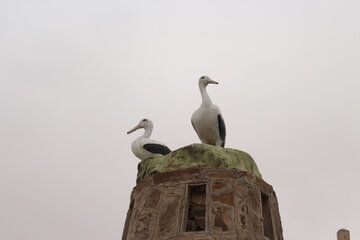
(203,192)
(343,234)
(199,156)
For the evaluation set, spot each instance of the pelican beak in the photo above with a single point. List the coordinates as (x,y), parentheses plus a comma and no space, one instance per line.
(134,129)
(212,81)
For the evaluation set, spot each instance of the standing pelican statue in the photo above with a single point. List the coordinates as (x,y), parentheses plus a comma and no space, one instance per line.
(207,120)
(144,147)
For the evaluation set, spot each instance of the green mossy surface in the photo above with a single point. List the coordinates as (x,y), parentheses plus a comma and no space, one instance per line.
(199,156)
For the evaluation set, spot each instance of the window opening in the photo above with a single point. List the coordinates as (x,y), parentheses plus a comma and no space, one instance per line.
(195,212)
(267,222)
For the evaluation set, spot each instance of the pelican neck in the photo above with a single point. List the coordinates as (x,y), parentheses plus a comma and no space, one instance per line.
(204,95)
(147,132)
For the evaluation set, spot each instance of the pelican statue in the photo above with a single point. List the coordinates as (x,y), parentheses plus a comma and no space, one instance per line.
(144,147)
(207,120)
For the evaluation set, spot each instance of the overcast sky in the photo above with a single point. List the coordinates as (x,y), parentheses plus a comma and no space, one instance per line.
(75,76)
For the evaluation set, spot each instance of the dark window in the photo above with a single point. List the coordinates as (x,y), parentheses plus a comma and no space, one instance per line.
(195,210)
(267,223)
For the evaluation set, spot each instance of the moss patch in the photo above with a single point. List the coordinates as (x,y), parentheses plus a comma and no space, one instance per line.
(199,156)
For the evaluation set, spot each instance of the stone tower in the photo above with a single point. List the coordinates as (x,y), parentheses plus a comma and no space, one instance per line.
(343,234)
(202,192)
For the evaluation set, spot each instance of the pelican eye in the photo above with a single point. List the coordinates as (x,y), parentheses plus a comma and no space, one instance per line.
(202,77)
(144,120)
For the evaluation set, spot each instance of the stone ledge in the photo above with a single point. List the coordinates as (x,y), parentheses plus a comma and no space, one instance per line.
(199,156)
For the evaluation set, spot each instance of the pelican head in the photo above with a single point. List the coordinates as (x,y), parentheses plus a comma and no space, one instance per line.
(205,80)
(144,123)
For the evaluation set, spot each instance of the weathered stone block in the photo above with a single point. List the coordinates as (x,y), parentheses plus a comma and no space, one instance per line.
(242,216)
(168,217)
(138,193)
(132,223)
(249,178)
(256,226)
(144,226)
(219,186)
(265,188)
(241,189)
(221,220)
(176,176)
(178,190)
(152,199)
(226,198)
(224,175)
(254,199)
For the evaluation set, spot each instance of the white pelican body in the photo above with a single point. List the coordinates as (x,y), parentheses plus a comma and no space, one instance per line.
(207,120)
(144,147)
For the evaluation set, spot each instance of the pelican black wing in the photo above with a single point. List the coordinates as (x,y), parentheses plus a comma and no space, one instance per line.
(157,148)
(222,129)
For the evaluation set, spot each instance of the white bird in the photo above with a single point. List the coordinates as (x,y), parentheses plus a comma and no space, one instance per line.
(144,147)
(207,120)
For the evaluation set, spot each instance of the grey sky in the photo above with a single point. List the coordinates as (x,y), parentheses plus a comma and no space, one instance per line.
(76,75)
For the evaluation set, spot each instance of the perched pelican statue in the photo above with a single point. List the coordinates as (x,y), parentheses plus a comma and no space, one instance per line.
(207,120)
(144,147)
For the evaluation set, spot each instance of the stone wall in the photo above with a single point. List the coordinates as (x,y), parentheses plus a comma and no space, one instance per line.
(166,206)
